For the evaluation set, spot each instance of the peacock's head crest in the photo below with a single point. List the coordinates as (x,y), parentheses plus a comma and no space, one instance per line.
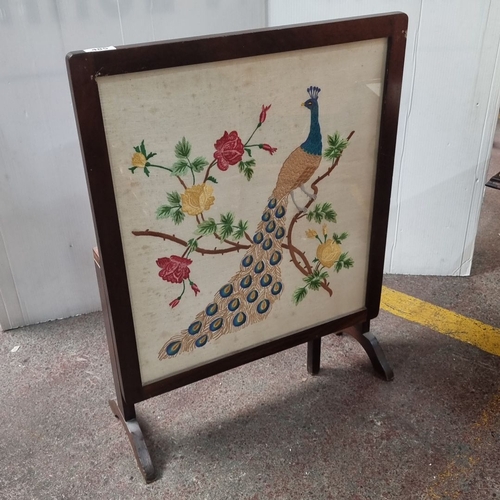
(313,93)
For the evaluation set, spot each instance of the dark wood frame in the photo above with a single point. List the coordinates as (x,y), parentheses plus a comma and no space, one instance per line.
(84,67)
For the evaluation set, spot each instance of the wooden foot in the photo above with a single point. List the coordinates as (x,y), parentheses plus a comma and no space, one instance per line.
(137,442)
(370,344)
(313,356)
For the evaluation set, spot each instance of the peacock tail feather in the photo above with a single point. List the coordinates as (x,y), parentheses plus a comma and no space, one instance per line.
(249,295)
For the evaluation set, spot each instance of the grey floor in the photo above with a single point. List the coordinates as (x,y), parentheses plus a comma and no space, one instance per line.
(267,430)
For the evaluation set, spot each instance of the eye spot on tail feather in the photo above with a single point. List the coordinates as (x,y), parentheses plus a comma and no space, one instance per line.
(246,281)
(268,243)
(211,309)
(263,306)
(259,267)
(194,328)
(239,319)
(216,324)
(280,212)
(266,280)
(173,348)
(233,305)
(226,290)
(280,233)
(200,342)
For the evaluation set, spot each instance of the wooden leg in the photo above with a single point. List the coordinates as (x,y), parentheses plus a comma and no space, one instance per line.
(313,356)
(126,414)
(370,344)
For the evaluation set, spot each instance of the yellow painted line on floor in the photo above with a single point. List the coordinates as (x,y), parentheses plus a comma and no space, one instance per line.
(441,320)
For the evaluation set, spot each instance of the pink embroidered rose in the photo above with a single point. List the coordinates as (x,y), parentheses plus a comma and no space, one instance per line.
(228,150)
(174,269)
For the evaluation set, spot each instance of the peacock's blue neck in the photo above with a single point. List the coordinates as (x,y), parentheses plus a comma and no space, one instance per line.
(313,144)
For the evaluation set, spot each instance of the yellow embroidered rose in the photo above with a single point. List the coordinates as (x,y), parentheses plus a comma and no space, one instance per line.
(138,160)
(328,253)
(197,199)
(311,233)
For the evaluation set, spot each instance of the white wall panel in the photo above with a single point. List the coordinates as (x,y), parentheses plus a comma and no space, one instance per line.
(46,231)
(448,114)
(449,108)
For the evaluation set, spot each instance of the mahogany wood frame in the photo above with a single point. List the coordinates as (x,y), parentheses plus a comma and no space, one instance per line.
(84,67)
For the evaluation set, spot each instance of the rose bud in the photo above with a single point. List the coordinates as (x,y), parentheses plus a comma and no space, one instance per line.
(263,114)
(195,288)
(268,148)
(175,302)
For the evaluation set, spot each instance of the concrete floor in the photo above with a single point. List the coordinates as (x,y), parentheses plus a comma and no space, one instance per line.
(267,430)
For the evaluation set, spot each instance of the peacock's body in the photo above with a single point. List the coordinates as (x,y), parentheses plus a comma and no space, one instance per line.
(249,295)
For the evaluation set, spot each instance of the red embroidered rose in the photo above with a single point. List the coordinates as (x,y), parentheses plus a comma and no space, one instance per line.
(263,114)
(174,269)
(228,150)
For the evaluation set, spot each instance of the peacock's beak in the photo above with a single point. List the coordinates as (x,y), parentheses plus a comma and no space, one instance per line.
(303,104)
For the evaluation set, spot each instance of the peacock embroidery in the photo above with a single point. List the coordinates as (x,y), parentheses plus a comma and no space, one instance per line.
(248,296)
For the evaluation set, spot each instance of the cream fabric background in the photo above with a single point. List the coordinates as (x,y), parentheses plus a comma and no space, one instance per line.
(200,102)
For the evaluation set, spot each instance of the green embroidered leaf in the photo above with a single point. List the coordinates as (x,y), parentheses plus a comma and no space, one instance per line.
(212,179)
(315,284)
(336,146)
(344,262)
(246,168)
(198,164)
(309,278)
(172,211)
(241,227)
(137,149)
(315,214)
(177,215)
(150,155)
(180,167)
(339,238)
(163,212)
(143,148)
(146,171)
(227,219)
(206,227)
(174,198)
(328,212)
(249,163)
(248,173)
(182,148)
(226,225)
(322,275)
(249,152)
(348,263)
(314,280)
(192,245)
(299,295)
(226,231)
(133,169)
(322,211)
